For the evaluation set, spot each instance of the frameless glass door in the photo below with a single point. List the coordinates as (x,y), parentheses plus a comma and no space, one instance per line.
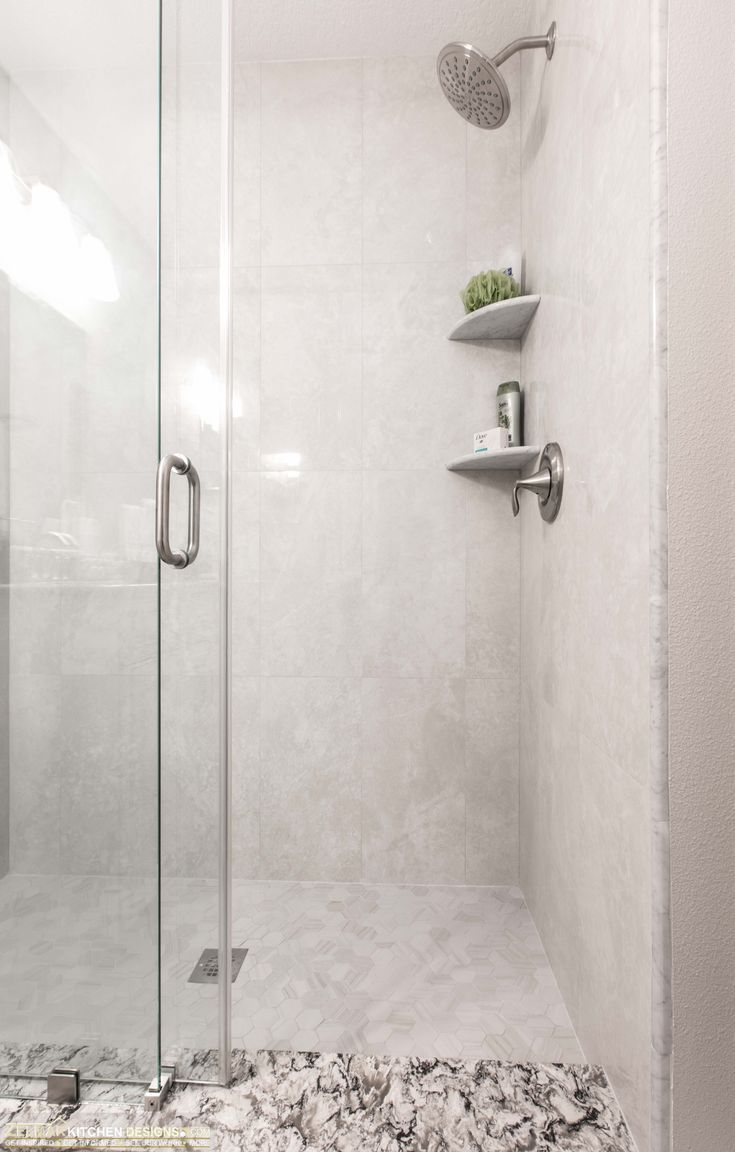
(195,417)
(79,574)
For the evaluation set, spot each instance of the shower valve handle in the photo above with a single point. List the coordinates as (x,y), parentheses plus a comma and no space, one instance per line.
(547,483)
(540,483)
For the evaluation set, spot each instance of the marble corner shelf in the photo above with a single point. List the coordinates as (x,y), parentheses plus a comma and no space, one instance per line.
(506,320)
(504,459)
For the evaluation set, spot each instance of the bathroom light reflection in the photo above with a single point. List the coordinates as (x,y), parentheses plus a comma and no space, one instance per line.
(279,460)
(44,251)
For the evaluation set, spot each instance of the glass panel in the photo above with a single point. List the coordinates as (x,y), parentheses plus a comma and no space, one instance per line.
(190,621)
(79,100)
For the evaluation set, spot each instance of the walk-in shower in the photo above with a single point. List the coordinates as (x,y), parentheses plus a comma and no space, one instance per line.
(312,746)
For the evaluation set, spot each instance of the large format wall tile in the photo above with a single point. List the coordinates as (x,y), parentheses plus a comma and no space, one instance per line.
(423,395)
(414,165)
(311,382)
(246,631)
(413,574)
(191,416)
(584,666)
(492,710)
(246,776)
(311,162)
(34,639)
(584,832)
(35,772)
(192,165)
(311,522)
(310,625)
(493,185)
(35,382)
(198,167)
(413,790)
(108,775)
(310,778)
(190,628)
(492,586)
(190,783)
(247,169)
(108,629)
(311,574)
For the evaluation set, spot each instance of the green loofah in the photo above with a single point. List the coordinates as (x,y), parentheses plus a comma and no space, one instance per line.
(488,288)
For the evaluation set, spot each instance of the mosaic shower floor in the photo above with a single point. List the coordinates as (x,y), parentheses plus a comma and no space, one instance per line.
(429,971)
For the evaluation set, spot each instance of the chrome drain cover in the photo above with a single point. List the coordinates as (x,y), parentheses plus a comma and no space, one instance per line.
(206,969)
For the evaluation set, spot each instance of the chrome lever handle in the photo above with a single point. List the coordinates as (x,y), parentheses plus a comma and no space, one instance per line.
(182,465)
(540,483)
(547,483)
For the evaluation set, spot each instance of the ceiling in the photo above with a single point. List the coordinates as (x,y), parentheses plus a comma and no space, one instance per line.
(278,29)
(51,34)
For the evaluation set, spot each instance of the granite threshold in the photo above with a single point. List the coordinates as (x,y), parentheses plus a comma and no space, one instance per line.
(286,1101)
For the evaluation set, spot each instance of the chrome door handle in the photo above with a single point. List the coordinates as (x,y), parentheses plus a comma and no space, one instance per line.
(183,466)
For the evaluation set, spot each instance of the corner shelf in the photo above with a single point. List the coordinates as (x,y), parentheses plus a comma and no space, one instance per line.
(506,320)
(503,459)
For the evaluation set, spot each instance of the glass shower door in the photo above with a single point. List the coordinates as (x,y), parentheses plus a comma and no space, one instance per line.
(79,575)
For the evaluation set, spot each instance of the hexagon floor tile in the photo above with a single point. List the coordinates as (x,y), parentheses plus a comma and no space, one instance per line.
(384,970)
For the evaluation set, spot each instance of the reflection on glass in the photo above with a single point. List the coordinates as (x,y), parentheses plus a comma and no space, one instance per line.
(78,572)
(46,252)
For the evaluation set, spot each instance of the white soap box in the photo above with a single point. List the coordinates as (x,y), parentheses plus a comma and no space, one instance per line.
(492,440)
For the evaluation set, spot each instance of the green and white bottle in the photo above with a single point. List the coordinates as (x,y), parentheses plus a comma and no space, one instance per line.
(509,411)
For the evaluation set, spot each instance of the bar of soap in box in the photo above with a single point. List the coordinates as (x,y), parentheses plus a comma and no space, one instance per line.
(491,441)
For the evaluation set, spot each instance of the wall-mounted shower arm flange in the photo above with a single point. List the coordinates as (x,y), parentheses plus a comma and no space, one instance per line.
(548,42)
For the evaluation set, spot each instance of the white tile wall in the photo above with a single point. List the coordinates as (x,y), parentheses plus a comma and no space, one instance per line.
(376,594)
(310,783)
(310,368)
(414,161)
(311,161)
(584,662)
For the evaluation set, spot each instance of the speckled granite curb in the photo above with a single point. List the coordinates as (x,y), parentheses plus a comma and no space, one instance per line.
(285,1102)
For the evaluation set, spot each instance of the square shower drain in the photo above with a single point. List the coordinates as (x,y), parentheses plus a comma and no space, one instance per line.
(206,969)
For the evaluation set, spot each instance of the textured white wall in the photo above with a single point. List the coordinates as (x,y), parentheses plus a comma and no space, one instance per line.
(584,607)
(702,569)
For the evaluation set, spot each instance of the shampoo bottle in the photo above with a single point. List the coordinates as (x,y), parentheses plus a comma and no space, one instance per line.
(509,412)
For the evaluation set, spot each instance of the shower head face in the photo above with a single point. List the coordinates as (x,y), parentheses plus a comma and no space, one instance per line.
(473,85)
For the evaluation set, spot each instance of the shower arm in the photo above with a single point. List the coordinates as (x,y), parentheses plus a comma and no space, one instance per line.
(548,41)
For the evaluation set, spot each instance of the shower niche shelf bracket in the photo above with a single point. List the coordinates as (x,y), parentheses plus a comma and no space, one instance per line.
(505,460)
(506,320)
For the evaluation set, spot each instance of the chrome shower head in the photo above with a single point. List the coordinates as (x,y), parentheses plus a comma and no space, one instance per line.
(472,83)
